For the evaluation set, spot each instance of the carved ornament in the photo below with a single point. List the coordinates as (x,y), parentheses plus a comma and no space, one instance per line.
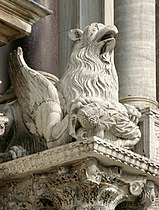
(85,185)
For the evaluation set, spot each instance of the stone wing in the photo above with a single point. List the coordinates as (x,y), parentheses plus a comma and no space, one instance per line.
(35,92)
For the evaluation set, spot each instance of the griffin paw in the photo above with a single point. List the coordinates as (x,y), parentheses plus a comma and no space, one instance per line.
(134,114)
(16,152)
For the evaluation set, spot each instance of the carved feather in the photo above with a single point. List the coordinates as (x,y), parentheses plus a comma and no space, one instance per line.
(33,91)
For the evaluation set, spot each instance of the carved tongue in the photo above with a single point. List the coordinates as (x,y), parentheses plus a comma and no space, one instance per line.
(106,57)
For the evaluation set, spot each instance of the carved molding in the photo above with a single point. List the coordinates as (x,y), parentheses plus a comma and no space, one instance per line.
(148,196)
(85,185)
(72,152)
(72,187)
(17,18)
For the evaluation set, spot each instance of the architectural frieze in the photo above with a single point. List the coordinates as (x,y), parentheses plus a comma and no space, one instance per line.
(72,152)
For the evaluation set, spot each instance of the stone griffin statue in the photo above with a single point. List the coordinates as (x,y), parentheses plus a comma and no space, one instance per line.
(84,103)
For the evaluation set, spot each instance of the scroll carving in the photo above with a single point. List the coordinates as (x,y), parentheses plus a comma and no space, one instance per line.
(148,196)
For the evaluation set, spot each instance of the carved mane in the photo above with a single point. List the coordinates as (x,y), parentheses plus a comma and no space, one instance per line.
(87,75)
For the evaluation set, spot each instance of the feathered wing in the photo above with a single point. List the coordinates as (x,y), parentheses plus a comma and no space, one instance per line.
(36,95)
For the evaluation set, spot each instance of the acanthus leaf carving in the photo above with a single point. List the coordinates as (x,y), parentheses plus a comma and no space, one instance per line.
(89,185)
(78,187)
(148,195)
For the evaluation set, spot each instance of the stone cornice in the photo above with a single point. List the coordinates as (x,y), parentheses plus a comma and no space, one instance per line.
(17,18)
(106,153)
(143,101)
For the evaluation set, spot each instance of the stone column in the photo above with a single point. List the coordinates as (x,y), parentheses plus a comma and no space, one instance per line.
(157,47)
(135,52)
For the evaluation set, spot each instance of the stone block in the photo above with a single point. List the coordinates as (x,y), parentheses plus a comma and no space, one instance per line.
(17,18)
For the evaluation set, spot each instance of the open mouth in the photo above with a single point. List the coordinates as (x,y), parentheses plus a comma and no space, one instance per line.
(106,37)
(105,34)
(106,40)
(108,44)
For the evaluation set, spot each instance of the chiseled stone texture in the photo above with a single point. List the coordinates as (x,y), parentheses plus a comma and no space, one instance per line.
(105,152)
(80,175)
(82,104)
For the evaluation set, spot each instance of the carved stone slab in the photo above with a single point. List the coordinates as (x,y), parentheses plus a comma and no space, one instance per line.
(17,18)
(106,153)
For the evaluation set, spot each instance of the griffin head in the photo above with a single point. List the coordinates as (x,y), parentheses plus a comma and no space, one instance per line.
(99,38)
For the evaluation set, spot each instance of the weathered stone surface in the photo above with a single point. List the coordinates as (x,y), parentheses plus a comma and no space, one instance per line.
(106,153)
(109,12)
(84,102)
(135,54)
(89,175)
(94,172)
(17,18)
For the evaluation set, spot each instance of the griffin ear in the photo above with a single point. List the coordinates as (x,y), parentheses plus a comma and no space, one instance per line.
(75,34)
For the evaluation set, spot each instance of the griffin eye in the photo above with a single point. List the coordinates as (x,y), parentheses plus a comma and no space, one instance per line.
(95,28)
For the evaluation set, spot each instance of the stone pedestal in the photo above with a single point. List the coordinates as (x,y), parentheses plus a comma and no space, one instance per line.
(92,175)
(135,54)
